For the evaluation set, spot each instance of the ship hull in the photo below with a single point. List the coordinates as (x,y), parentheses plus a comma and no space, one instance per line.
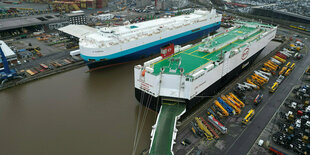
(151,50)
(154,102)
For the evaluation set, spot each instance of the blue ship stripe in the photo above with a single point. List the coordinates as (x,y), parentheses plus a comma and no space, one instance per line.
(145,46)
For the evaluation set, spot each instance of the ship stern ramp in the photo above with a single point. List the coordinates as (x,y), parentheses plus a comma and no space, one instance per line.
(164,131)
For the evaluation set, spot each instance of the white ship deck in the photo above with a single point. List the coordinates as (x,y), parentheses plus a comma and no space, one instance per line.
(110,36)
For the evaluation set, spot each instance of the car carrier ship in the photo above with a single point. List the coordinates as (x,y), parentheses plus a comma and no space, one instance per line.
(194,72)
(116,45)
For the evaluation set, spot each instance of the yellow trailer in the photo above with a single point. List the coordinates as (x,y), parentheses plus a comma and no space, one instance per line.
(274,87)
(269,66)
(207,133)
(250,82)
(292,66)
(272,64)
(288,72)
(282,71)
(236,99)
(248,117)
(261,78)
(279,59)
(223,110)
(238,111)
(261,82)
(265,69)
(233,101)
(275,64)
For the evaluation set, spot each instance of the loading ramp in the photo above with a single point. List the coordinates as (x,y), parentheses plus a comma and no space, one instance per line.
(164,131)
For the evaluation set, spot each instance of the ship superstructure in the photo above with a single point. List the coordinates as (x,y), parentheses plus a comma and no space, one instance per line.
(114,45)
(193,72)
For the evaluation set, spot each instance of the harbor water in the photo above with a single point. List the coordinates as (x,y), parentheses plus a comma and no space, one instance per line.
(76,112)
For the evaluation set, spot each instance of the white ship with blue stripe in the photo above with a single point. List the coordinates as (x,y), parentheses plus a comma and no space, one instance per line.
(116,45)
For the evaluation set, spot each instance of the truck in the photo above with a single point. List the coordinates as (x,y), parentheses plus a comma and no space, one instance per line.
(280,79)
(288,72)
(248,117)
(218,125)
(274,87)
(258,99)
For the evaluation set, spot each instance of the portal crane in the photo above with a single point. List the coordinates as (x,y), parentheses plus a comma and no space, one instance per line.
(6,73)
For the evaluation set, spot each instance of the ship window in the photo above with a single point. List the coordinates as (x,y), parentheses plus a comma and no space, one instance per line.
(91,60)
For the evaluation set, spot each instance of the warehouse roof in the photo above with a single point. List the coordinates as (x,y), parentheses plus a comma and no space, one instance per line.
(19,22)
(78,30)
(7,50)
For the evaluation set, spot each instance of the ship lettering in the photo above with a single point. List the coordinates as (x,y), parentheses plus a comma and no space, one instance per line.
(245,53)
(144,83)
(200,85)
(97,51)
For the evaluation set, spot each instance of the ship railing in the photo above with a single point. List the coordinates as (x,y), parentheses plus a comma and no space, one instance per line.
(252,39)
(201,69)
(149,69)
(152,61)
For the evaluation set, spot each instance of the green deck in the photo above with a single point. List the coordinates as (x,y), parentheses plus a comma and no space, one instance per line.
(192,59)
(163,135)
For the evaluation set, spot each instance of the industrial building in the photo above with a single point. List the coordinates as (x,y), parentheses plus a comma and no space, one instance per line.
(105,16)
(288,16)
(77,18)
(20,22)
